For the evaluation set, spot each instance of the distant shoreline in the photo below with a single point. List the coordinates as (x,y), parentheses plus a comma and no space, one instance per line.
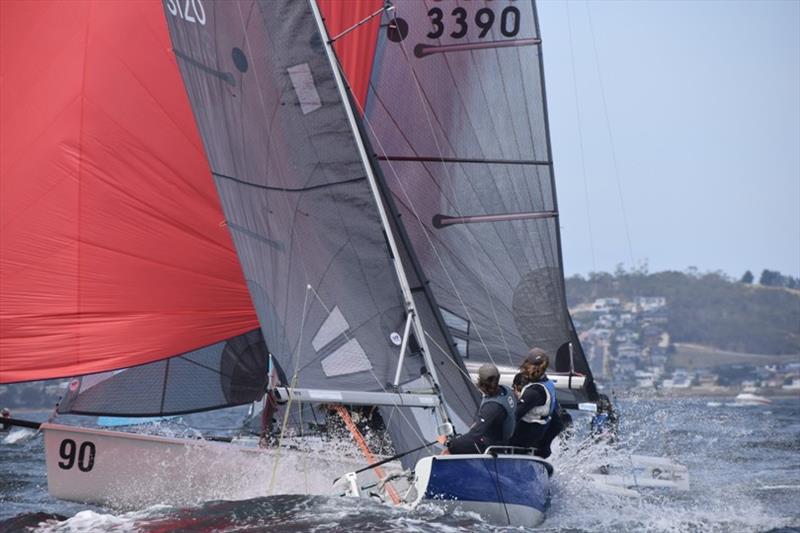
(699,392)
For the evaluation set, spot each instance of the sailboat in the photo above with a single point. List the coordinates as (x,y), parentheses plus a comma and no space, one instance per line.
(386,177)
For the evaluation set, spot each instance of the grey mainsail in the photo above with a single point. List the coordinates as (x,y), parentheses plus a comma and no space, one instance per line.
(457,115)
(297,201)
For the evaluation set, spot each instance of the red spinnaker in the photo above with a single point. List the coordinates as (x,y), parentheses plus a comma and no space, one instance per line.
(355,49)
(112,247)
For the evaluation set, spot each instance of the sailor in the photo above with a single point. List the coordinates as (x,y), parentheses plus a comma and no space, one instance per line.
(495,421)
(537,414)
(605,423)
(5,413)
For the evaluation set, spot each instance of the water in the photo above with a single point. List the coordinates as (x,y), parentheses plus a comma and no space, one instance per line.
(744,464)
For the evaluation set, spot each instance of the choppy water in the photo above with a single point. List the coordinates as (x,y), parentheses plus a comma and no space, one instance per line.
(744,464)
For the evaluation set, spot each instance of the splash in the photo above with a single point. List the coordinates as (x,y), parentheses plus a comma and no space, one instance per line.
(722,498)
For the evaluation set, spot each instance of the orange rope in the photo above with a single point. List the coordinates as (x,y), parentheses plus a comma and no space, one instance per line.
(359,438)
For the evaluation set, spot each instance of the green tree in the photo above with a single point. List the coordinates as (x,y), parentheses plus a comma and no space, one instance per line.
(770,278)
(747,277)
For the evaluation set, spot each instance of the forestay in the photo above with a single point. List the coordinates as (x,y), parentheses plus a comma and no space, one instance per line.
(457,116)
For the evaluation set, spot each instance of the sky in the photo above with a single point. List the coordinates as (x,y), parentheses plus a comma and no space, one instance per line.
(694,159)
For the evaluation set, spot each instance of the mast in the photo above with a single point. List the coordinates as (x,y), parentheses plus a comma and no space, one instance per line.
(387,228)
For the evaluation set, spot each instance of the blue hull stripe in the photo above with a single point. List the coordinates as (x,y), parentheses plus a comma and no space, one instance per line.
(521,482)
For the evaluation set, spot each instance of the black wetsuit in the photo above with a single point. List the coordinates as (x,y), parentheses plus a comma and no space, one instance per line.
(487,431)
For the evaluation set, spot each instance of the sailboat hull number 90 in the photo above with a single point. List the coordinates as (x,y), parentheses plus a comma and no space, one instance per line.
(484,19)
(73,455)
(188,10)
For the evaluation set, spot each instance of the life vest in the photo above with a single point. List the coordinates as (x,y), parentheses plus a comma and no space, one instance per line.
(509,404)
(541,414)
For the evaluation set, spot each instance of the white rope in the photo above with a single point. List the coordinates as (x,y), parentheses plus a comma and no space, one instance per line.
(610,136)
(581,153)
(289,403)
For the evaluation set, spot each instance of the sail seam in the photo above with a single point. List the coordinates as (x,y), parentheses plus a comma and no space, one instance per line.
(288,189)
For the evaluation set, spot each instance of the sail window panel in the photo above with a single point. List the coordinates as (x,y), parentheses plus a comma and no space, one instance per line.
(349,358)
(333,326)
(184,388)
(304,87)
(133,391)
(462,346)
(455,322)
(223,374)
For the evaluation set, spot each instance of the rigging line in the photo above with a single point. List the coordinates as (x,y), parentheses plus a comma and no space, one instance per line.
(581,153)
(526,190)
(496,55)
(371,370)
(269,152)
(289,404)
(464,372)
(463,102)
(302,261)
(526,235)
(610,135)
(427,236)
(387,6)
(428,112)
(444,195)
(413,209)
(544,255)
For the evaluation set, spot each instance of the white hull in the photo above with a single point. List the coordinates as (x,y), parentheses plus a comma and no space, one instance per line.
(641,471)
(747,398)
(125,470)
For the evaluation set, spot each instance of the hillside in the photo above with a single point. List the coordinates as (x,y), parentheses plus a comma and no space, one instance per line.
(708,309)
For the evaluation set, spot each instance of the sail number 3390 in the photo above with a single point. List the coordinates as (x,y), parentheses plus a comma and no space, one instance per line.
(459,21)
(73,455)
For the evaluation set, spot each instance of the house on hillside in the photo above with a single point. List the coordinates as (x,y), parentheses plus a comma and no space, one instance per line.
(645,304)
(606,305)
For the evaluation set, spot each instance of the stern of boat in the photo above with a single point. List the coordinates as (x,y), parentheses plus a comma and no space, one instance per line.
(503,489)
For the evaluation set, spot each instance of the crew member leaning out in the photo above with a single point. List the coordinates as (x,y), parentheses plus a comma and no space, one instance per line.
(495,421)
(538,421)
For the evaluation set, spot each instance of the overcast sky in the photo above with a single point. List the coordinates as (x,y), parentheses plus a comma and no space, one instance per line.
(703,102)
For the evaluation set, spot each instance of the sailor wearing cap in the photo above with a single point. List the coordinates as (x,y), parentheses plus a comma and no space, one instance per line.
(537,405)
(495,421)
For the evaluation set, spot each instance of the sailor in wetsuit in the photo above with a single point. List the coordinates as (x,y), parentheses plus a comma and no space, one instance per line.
(604,425)
(495,421)
(537,414)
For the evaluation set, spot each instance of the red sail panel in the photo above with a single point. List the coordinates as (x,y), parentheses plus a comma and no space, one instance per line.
(355,49)
(112,248)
